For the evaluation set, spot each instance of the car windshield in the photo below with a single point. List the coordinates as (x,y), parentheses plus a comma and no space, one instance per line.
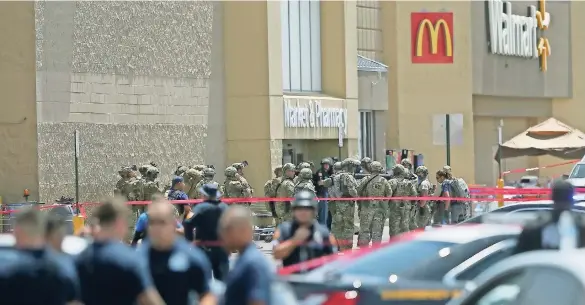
(578,171)
(384,262)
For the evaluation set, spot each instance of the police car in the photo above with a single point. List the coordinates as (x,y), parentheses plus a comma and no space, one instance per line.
(72,245)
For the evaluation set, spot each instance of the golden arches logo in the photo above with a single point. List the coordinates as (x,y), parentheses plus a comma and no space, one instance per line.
(433,30)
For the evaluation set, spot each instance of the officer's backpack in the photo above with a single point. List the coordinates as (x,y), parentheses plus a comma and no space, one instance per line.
(459,188)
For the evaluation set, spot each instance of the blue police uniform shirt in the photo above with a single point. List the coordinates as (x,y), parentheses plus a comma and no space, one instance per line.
(111,273)
(206,220)
(177,195)
(142,223)
(40,276)
(178,272)
(250,279)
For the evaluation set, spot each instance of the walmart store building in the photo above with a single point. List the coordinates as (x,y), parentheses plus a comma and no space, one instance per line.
(272,82)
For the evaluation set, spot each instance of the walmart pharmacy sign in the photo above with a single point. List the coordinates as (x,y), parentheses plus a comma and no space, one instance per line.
(311,114)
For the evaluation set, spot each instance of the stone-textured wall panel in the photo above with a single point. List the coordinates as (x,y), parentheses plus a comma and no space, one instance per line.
(105,148)
(170,38)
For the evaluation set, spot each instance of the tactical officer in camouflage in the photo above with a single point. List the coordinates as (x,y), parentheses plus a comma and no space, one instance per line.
(270,191)
(399,210)
(343,218)
(233,186)
(285,189)
(208,176)
(305,182)
(373,213)
(424,187)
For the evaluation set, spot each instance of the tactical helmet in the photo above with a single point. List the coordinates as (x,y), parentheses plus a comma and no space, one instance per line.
(208,172)
(447,169)
(230,172)
(337,166)
(366,160)
(124,170)
(326,161)
(406,163)
(238,166)
(422,171)
(306,173)
(398,170)
(376,167)
(143,169)
(181,170)
(303,165)
(349,162)
(152,171)
(199,167)
(304,199)
(288,167)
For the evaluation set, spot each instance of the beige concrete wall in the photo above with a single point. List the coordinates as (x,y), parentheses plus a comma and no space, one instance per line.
(419,91)
(18,118)
(369,30)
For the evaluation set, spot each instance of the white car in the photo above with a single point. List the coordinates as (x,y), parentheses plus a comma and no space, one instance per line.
(535,278)
(72,245)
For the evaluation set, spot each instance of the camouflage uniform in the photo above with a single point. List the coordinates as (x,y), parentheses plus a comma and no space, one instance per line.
(305,182)
(342,225)
(285,189)
(424,188)
(300,167)
(192,177)
(399,209)
(373,213)
(412,214)
(151,186)
(208,175)
(124,173)
(233,186)
(143,169)
(270,192)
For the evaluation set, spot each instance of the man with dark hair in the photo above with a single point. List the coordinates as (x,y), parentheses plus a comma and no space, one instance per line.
(33,274)
(176,268)
(111,272)
(55,231)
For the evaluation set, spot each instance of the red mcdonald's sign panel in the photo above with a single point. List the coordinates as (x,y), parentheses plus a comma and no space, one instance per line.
(432,38)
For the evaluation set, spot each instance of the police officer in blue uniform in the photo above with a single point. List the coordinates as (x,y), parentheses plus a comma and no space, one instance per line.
(32,273)
(249,281)
(303,238)
(177,269)
(206,224)
(177,192)
(109,271)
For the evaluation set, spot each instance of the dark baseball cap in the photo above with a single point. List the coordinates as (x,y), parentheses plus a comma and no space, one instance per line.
(176,180)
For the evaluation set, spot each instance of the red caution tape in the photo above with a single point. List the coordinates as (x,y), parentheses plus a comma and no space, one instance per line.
(477,193)
(523,170)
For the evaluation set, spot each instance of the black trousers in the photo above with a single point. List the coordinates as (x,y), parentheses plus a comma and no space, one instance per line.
(329,220)
(219,261)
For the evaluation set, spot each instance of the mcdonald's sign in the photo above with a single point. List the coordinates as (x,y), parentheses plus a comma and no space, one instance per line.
(432,38)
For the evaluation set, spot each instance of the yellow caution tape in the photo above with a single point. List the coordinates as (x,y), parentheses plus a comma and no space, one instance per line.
(419,294)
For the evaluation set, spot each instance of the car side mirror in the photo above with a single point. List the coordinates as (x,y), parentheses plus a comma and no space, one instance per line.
(565,176)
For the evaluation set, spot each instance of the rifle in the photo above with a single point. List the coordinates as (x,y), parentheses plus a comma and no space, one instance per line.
(360,176)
